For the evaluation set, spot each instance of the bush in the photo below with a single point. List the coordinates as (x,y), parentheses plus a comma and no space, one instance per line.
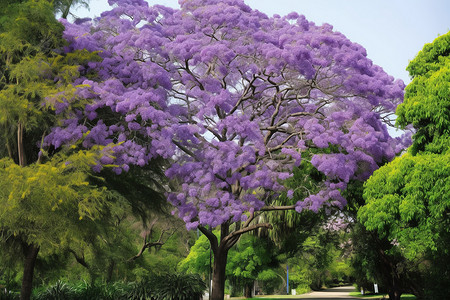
(8,295)
(178,287)
(165,287)
(139,291)
(58,291)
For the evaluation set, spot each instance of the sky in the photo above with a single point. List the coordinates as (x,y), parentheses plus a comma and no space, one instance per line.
(392,31)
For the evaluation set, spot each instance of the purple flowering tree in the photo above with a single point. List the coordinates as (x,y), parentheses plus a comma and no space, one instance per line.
(234,99)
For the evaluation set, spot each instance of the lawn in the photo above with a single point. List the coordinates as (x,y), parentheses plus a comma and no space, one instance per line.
(378,296)
(354,294)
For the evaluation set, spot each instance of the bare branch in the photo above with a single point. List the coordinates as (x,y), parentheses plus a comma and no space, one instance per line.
(211,237)
(232,238)
(80,259)
(277,208)
(148,245)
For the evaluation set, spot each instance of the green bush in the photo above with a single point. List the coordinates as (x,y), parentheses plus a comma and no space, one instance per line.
(8,295)
(139,291)
(178,287)
(165,287)
(58,291)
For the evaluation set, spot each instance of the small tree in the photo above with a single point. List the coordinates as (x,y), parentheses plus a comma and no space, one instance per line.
(236,99)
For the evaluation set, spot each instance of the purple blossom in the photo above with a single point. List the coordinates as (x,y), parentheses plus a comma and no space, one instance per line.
(228,99)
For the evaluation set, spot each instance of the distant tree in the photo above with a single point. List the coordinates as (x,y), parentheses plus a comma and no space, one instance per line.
(64,6)
(236,99)
(408,200)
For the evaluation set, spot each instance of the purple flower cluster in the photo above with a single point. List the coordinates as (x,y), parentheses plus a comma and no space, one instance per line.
(233,98)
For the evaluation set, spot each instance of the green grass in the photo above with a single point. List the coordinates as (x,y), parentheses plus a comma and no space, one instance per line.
(378,296)
(354,294)
(270,297)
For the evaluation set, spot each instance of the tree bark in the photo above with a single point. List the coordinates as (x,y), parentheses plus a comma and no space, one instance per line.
(109,274)
(31,253)
(248,289)
(20,147)
(220,250)
(394,295)
(218,278)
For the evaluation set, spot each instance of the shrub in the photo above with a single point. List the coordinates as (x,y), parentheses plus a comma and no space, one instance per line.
(58,291)
(8,295)
(178,287)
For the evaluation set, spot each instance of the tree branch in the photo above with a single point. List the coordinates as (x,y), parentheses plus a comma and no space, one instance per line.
(148,245)
(211,237)
(233,237)
(79,259)
(274,208)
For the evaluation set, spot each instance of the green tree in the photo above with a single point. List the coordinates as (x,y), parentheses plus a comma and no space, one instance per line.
(408,200)
(252,259)
(34,75)
(32,190)
(47,207)
(64,6)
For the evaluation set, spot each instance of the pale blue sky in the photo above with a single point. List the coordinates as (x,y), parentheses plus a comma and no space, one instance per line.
(392,31)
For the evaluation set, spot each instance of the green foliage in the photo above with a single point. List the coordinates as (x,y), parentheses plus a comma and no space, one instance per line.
(290,228)
(169,286)
(28,27)
(408,200)
(178,287)
(251,256)
(249,260)
(39,200)
(58,291)
(197,261)
(63,6)
(427,99)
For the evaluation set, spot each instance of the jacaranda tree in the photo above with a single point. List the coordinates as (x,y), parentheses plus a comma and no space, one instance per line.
(235,98)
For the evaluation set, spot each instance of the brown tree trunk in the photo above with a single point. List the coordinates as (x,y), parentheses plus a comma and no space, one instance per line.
(31,253)
(248,289)
(394,295)
(220,250)
(20,147)
(218,278)
(109,274)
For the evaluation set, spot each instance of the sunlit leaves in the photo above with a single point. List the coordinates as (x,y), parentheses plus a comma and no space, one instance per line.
(408,199)
(427,98)
(44,202)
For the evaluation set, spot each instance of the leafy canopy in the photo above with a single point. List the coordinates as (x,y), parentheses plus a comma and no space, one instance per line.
(408,200)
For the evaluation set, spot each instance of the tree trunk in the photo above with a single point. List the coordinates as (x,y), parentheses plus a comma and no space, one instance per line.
(220,250)
(31,253)
(20,147)
(218,278)
(394,295)
(110,271)
(248,289)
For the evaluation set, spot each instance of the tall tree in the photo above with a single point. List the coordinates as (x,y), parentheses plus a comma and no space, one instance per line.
(408,200)
(237,98)
(64,6)
(28,34)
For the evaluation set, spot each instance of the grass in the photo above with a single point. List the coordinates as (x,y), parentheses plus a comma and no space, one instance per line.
(269,297)
(354,294)
(266,297)
(378,296)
